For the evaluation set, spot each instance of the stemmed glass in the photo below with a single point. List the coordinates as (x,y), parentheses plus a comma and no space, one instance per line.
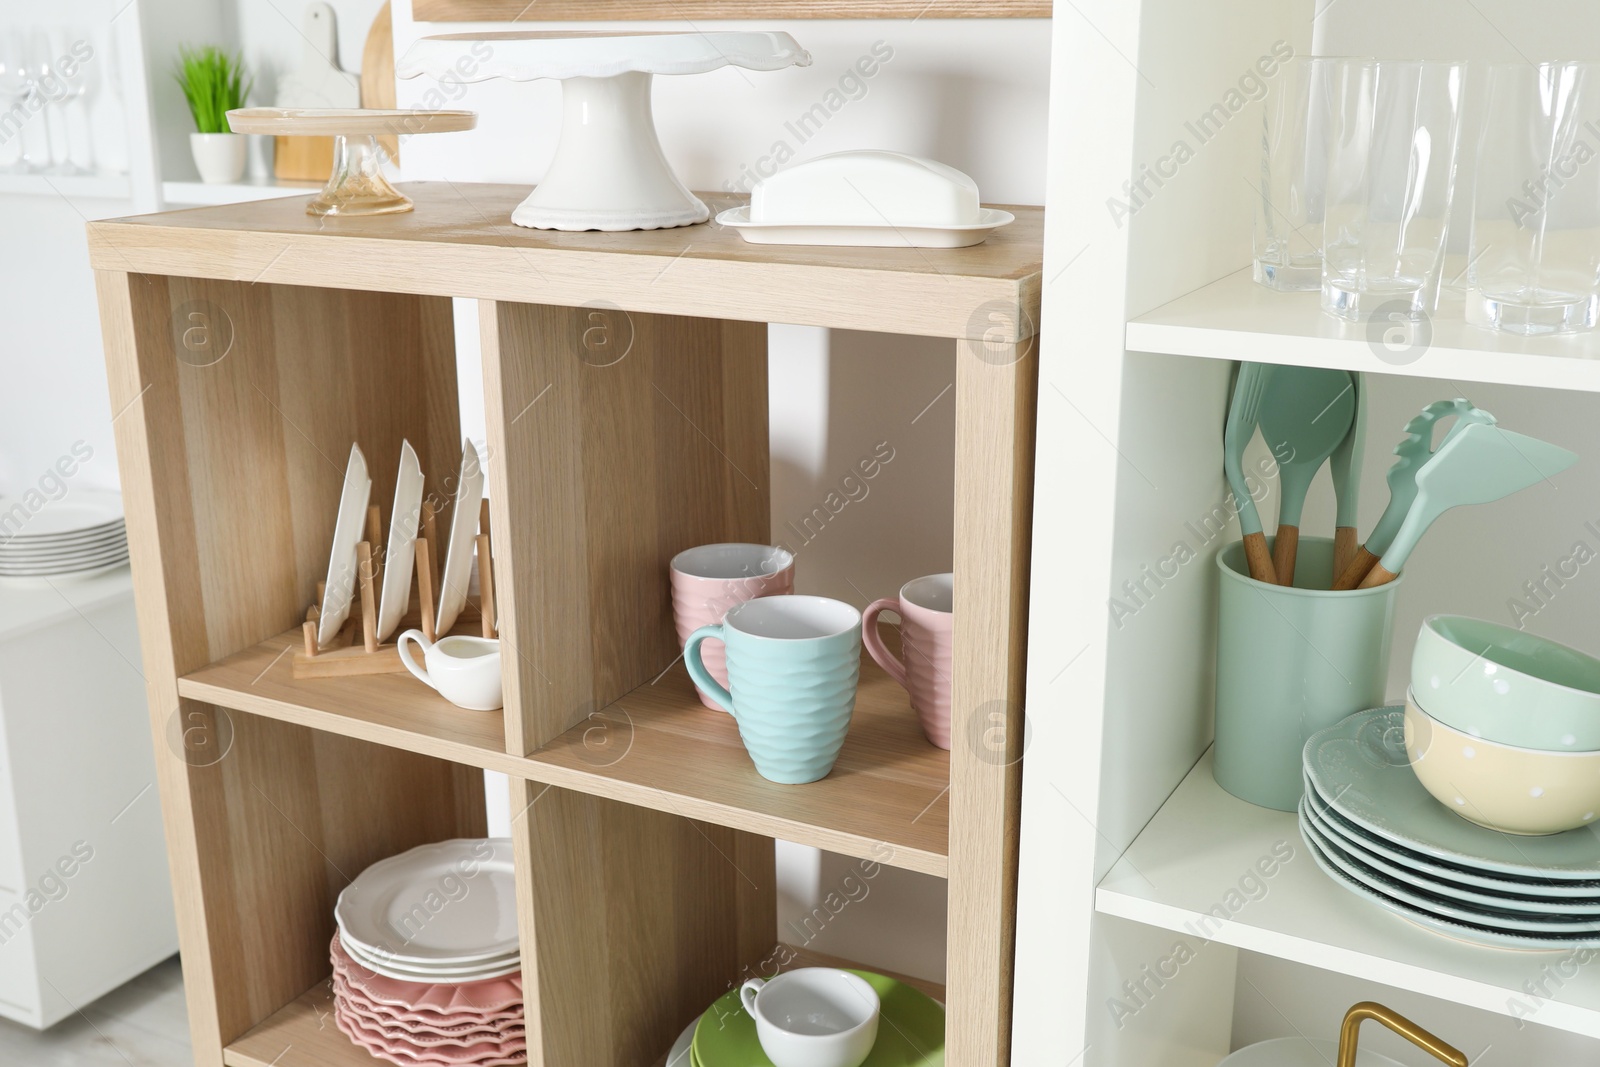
(54,91)
(74,103)
(15,88)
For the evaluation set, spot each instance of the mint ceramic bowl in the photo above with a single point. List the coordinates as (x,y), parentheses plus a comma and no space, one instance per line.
(1506,685)
(1513,790)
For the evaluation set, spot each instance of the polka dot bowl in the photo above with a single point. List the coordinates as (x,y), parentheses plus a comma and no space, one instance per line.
(1502,684)
(1513,790)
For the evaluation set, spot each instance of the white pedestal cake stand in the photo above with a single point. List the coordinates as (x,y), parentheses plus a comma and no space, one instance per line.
(609,172)
(357,185)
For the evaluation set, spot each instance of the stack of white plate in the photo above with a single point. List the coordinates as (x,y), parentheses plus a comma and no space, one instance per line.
(443,914)
(1373,828)
(78,534)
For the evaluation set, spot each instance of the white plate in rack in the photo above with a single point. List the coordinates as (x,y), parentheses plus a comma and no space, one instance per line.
(350,526)
(447,904)
(457,571)
(401,552)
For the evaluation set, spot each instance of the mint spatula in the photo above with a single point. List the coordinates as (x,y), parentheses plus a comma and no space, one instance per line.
(1476,465)
(1243,409)
(1305,413)
(1345,466)
(1414,449)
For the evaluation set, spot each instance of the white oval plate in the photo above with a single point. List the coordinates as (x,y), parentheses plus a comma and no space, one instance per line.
(81,511)
(855,235)
(59,542)
(423,906)
(76,566)
(442,976)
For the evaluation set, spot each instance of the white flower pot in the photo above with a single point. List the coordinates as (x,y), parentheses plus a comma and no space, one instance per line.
(218,156)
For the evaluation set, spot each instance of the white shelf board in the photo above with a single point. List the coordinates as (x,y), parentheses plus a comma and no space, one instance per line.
(1237,319)
(1204,842)
(201,194)
(89,186)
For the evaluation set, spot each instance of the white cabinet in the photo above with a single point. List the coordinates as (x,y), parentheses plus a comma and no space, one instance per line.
(1137,910)
(85,900)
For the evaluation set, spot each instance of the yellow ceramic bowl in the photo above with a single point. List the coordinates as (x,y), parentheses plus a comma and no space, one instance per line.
(1514,790)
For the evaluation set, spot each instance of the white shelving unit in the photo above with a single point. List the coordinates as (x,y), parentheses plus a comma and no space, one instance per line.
(91,186)
(1203,837)
(1142,902)
(1236,319)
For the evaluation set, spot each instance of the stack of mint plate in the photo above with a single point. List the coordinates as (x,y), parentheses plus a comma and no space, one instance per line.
(81,533)
(1373,828)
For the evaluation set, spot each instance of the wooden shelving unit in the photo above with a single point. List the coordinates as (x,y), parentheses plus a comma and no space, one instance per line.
(644,839)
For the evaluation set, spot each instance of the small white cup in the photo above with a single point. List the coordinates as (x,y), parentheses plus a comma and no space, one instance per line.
(813,1017)
(464,670)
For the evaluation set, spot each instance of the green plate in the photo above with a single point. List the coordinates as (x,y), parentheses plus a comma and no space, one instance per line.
(910,1030)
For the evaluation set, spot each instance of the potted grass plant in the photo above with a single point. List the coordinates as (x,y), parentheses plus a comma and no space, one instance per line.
(213,83)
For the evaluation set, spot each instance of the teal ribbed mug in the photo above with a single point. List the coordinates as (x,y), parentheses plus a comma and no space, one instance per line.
(793,662)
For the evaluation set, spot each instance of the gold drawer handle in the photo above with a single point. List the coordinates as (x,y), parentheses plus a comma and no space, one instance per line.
(1350,1033)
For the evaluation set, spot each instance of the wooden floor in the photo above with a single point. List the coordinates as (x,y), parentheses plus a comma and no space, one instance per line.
(142,1024)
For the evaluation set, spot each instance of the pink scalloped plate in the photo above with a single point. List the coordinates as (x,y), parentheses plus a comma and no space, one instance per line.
(434,1021)
(489,997)
(419,1058)
(461,1027)
(428,1036)
(473,1049)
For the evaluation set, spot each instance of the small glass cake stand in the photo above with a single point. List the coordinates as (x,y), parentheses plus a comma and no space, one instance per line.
(357,185)
(609,172)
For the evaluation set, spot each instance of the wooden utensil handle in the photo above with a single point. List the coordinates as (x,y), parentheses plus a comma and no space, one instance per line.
(1377,576)
(1352,575)
(1344,548)
(1259,559)
(1284,549)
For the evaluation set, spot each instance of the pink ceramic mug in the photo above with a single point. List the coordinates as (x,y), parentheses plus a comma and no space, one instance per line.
(710,579)
(927,637)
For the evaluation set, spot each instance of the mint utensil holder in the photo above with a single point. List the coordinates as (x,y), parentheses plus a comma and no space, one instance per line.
(1291,661)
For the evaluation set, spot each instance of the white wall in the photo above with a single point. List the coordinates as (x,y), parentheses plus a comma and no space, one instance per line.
(54,373)
(971,94)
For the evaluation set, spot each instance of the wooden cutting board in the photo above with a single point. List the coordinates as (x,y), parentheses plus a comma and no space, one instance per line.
(316,82)
(377,73)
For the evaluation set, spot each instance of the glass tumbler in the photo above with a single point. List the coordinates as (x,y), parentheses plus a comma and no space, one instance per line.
(1288,201)
(1393,131)
(1534,258)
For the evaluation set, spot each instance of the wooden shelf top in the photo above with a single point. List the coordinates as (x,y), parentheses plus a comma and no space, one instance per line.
(388,709)
(303,1033)
(460,242)
(658,747)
